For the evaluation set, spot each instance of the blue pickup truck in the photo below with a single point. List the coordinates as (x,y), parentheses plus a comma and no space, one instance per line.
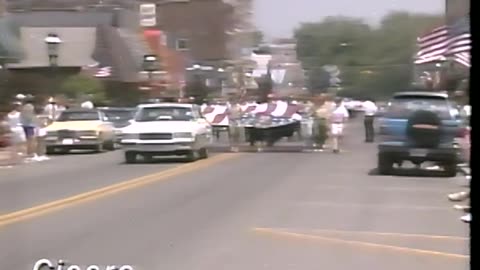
(419,127)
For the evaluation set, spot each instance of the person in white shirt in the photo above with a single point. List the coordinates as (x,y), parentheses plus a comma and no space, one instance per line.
(337,119)
(370,110)
(52,109)
(18,138)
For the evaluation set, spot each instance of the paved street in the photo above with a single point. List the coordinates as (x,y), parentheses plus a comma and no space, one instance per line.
(235,211)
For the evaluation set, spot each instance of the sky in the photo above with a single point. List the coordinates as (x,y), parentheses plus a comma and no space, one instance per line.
(278,18)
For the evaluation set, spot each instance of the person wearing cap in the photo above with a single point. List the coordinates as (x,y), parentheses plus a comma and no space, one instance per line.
(52,109)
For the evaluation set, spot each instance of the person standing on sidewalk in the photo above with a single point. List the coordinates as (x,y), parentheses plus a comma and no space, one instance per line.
(41,133)
(28,119)
(18,139)
(370,110)
(337,120)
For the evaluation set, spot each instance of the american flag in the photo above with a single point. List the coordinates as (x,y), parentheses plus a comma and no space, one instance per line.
(103,72)
(432,46)
(459,43)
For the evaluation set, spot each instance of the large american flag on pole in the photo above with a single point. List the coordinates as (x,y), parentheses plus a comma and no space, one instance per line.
(452,41)
(432,46)
(459,43)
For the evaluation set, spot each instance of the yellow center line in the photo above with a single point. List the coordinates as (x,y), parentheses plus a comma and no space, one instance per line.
(398,235)
(291,235)
(42,209)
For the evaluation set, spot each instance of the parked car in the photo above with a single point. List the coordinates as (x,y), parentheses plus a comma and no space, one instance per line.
(419,127)
(166,129)
(80,129)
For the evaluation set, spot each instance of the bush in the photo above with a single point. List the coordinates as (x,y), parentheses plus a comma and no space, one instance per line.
(79,86)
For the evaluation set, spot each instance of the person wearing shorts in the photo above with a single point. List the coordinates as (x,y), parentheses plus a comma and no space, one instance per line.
(18,137)
(28,122)
(337,120)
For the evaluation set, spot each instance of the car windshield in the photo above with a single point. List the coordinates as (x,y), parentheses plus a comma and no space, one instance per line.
(164,114)
(403,107)
(119,115)
(78,116)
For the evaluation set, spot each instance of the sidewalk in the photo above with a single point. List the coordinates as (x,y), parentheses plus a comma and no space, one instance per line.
(4,157)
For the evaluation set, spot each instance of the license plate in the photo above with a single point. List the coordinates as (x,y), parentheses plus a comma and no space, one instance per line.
(418,153)
(67,141)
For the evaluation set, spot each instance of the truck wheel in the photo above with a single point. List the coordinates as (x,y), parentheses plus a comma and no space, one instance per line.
(384,165)
(130,157)
(50,150)
(203,153)
(450,170)
(99,148)
(192,156)
(110,145)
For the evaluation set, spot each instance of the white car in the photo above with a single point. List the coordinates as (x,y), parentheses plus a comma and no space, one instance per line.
(166,129)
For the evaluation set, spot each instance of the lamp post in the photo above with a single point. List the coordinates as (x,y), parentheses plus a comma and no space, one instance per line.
(150,65)
(53,42)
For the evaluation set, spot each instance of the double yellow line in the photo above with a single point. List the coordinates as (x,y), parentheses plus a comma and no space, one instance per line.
(42,209)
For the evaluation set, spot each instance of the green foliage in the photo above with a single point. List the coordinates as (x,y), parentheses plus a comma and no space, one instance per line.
(80,86)
(372,61)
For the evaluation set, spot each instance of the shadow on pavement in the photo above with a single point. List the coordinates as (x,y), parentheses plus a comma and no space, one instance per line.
(410,172)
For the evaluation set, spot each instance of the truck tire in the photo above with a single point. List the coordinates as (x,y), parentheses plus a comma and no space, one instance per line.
(384,164)
(203,153)
(424,129)
(450,169)
(130,157)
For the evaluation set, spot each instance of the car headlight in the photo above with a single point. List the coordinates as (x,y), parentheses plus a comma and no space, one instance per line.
(129,136)
(183,135)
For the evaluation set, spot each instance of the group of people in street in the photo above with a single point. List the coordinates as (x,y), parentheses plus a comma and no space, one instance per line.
(26,122)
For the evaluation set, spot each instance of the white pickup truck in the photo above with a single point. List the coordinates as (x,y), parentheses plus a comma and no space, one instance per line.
(166,129)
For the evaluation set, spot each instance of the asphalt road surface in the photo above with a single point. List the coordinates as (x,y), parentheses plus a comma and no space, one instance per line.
(235,211)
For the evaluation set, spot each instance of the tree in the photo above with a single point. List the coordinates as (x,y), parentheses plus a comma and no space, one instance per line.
(81,85)
(377,61)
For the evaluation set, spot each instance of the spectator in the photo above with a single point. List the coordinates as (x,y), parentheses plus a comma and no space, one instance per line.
(41,134)
(337,119)
(28,120)
(87,105)
(53,109)
(370,109)
(18,137)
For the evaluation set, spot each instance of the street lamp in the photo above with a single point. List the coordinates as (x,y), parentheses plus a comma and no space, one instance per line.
(53,43)
(150,64)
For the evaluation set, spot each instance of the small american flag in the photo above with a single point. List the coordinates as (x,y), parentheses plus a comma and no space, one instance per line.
(103,72)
